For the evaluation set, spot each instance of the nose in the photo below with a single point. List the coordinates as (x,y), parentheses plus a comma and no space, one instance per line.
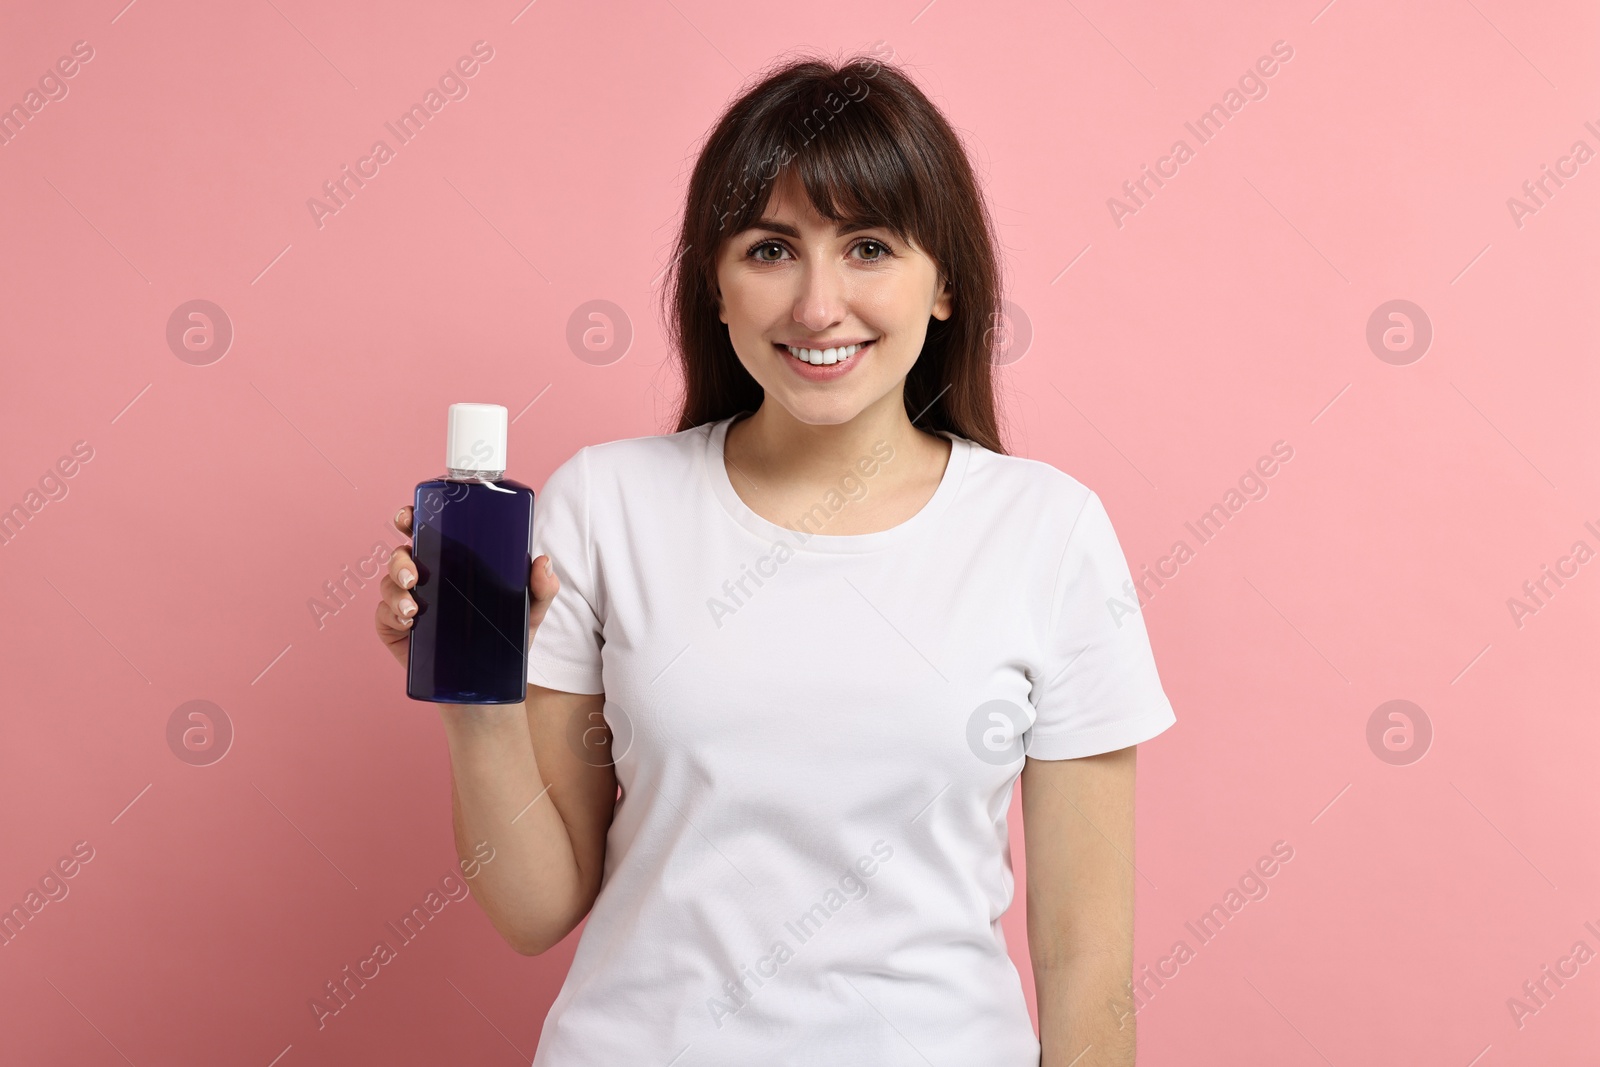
(821,300)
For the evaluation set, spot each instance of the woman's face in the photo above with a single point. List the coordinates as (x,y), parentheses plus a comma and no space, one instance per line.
(793,280)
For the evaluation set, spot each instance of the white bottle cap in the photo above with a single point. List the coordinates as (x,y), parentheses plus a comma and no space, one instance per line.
(476,438)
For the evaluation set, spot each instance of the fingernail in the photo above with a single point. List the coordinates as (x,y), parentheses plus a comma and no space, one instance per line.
(407,608)
(406,579)
(549,568)
(400,516)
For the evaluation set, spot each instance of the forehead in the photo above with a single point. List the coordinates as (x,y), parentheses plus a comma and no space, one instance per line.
(790,210)
(790,203)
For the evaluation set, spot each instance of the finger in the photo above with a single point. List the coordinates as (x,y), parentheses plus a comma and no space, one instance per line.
(543,583)
(402,568)
(402,520)
(402,609)
(542,579)
(390,629)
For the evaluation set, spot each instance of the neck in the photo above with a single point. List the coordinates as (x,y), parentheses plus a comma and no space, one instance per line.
(773,444)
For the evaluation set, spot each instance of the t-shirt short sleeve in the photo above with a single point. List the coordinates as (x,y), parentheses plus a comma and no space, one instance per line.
(565,652)
(1097,689)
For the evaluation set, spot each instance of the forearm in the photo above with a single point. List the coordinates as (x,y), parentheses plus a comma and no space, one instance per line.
(1085,1011)
(531,890)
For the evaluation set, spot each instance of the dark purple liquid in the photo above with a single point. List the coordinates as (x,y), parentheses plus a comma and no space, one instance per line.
(472,545)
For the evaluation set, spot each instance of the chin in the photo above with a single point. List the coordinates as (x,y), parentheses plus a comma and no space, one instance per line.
(826,409)
(819,411)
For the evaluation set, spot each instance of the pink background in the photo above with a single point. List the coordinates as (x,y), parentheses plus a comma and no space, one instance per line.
(1230,312)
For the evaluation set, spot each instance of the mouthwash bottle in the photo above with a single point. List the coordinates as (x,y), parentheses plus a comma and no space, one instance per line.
(471,540)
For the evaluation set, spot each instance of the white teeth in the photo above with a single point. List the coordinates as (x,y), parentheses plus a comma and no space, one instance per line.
(823,356)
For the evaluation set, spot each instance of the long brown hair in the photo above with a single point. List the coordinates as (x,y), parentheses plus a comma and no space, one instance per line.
(866,145)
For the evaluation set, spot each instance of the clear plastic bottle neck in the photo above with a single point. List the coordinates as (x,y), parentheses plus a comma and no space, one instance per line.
(458,475)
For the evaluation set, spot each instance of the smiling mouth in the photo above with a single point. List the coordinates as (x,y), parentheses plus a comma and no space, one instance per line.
(820,357)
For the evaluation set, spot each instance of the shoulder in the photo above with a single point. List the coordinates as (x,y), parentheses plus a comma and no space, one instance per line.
(633,463)
(1029,488)
(679,448)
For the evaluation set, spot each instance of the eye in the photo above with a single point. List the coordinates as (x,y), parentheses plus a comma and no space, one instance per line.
(753,252)
(884,250)
(757,252)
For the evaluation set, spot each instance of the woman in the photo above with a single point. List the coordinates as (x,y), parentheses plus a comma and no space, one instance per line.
(801,648)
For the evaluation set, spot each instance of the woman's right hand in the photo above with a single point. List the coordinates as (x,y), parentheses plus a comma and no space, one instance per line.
(397,610)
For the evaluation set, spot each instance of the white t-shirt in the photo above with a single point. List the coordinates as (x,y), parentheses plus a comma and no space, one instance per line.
(817,737)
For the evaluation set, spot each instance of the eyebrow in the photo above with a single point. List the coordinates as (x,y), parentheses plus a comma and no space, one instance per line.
(790,231)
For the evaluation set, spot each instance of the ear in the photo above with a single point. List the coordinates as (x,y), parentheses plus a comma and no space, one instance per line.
(942,304)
